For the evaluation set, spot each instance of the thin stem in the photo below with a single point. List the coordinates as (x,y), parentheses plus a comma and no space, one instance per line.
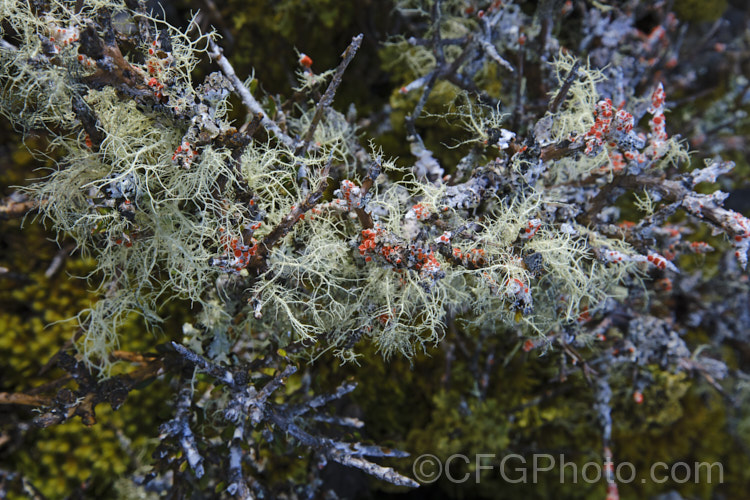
(327,99)
(216,53)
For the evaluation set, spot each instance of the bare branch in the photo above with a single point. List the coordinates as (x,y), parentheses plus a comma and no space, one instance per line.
(179,427)
(327,99)
(16,205)
(253,106)
(562,94)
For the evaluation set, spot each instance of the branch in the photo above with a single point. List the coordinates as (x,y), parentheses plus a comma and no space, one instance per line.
(701,206)
(16,205)
(327,99)
(237,486)
(349,454)
(65,403)
(19,398)
(562,94)
(323,399)
(222,374)
(179,427)
(253,106)
(560,150)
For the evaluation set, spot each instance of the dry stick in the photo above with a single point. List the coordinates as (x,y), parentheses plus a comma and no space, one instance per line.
(437,49)
(563,93)
(17,205)
(585,367)
(324,103)
(117,71)
(674,192)
(464,81)
(220,373)
(467,49)
(132,357)
(7,46)
(327,99)
(179,428)
(518,109)
(58,260)
(451,72)
(560,150)
(19,398)
(445,41)
(83,407)
(215,16)
(410,121)
(67,345)
(364,217)
(237,484)
(141,18)
(543,36)
(437,45)
(215,52)
(89,122)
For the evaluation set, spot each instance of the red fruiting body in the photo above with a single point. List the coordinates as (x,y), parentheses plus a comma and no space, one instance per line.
(305,60)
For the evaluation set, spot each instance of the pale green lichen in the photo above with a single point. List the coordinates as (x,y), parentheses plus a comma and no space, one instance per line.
(154,226)
(576,113)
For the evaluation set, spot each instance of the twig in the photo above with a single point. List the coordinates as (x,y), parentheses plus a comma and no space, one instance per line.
(327,99)
(349,454)
(16,205)
(132,357)
(563,93)
(7,45)
(222,374)
(676,192)
(437,45)
(180,427)
(19,398)
(323,399)
(437,49)
(65,404)
(598,202)
(58,260)
(67,345)
(560,150)
(215,15)
(216,53)
(411,120)
(362,214)
(518,108)
(237,486)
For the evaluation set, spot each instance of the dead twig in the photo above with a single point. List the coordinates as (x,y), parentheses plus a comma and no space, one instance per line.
(17,205)
(253,106)
(327,99)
